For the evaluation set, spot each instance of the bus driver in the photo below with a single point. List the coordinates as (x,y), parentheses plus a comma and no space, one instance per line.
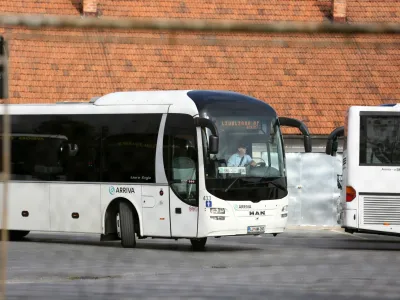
(240,158)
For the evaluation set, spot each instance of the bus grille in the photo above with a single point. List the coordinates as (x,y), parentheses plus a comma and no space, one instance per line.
(382,210)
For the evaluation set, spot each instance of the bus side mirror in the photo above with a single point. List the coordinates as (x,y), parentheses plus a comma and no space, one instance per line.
(332,147)
(307,143)
(291,122)
(213,143)
(213,140)
(332,143)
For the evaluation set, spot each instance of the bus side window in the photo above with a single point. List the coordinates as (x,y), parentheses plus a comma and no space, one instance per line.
(180,157)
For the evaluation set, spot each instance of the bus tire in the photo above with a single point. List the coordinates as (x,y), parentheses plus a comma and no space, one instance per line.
(128,239)
(198,244)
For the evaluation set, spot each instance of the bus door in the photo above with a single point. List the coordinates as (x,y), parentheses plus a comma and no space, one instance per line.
(181,167)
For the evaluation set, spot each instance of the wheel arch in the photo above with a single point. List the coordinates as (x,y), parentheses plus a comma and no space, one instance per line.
(109,216)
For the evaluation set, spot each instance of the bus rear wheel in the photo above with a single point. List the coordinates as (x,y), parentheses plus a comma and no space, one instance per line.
(127,225)
(198,244)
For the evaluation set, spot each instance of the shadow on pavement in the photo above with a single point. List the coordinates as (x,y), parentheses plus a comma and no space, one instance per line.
(164,244)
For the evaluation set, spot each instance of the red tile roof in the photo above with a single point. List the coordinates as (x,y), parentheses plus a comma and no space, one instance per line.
(315,83)
(366,11)
(305,10)
(221,9)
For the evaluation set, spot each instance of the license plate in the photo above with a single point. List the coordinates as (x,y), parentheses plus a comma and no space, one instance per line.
(255,229)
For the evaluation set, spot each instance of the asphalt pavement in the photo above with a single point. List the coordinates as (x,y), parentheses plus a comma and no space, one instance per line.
(298,264)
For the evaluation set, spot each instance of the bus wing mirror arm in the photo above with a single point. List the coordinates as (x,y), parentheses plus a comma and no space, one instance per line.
(332,143)
(213,142)
(291,122)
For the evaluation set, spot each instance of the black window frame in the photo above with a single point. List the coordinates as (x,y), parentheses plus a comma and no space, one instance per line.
(363,115)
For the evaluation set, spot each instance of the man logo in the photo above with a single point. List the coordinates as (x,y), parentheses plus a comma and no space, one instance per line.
(111,190)
(257,213)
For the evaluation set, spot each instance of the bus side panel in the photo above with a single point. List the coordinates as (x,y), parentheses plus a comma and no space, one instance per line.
(75,207)
(28,206)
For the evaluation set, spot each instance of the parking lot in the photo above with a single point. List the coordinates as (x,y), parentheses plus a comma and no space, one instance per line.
(299,264)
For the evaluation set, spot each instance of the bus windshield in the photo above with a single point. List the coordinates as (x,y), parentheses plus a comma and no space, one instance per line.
(250,164)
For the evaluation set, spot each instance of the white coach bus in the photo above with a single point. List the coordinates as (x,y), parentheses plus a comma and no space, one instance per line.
(370,196)
(144,164)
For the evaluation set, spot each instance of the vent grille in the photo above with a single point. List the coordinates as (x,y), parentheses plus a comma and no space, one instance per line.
(381,210)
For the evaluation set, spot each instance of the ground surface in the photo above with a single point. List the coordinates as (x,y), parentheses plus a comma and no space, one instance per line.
(299,264)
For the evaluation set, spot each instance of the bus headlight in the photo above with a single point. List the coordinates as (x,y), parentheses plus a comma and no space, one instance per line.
(217,210)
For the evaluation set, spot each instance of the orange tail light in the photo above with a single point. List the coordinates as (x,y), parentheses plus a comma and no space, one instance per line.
(350,194)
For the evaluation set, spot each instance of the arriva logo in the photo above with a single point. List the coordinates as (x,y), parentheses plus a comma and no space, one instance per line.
(121,190)
(241,206)
(111,190)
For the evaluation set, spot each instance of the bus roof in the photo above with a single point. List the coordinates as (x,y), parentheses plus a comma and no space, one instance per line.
(160,101)
(383,107)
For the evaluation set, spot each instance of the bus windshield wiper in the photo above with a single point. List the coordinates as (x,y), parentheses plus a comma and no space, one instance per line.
(233,182)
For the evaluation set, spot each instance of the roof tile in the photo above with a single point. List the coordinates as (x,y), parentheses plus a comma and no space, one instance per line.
(377,11)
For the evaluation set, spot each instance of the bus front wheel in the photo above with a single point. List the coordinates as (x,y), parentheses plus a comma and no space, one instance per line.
(127,225)
(198,244)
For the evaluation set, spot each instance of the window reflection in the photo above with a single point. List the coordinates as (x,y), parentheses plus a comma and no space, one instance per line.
(89,148)
(180,156)
(379,140)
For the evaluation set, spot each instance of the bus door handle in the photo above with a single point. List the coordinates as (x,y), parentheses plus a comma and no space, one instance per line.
(178,210)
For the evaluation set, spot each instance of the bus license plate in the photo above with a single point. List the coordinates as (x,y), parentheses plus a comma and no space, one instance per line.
(255,229)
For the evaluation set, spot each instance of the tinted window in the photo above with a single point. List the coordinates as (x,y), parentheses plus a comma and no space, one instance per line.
(88,148)
(180,156)
(55,148)
(129,148)
(379,140)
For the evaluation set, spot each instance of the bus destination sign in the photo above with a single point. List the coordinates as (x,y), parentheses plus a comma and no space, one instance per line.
(241,124)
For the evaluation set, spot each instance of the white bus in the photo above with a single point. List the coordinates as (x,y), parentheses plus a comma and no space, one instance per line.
(149,164)
(370,193)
